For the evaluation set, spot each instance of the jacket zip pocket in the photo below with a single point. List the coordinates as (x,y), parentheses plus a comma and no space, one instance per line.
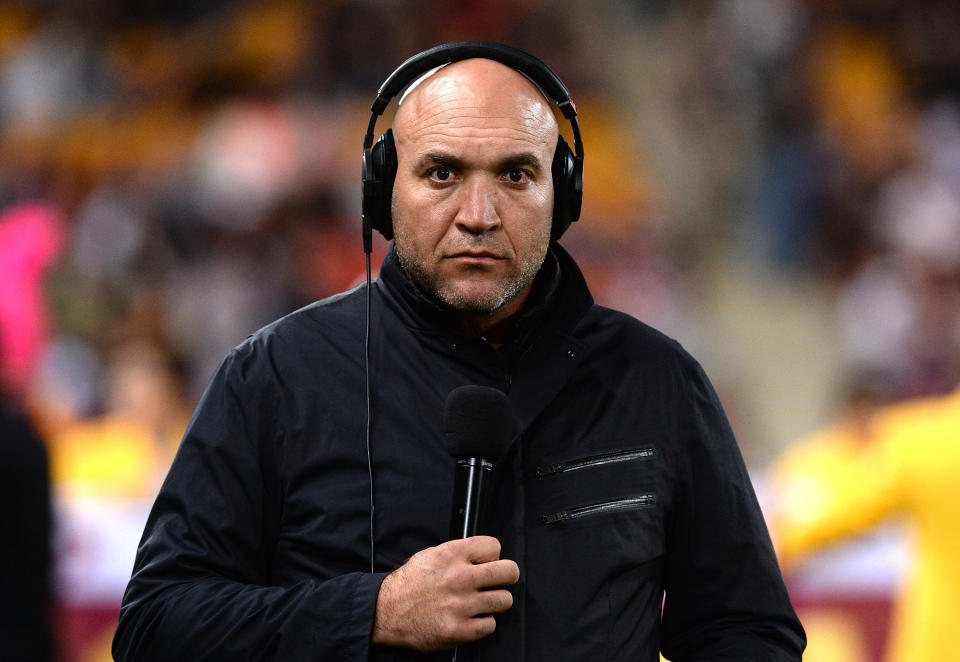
(647,500)
(596,461)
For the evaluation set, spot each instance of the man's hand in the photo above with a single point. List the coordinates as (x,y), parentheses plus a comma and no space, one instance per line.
(436,599)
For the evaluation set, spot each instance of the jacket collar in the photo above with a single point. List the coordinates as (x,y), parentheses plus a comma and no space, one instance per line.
(559,296)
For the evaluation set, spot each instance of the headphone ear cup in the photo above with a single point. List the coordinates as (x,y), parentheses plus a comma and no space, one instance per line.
(567,172)
(381,169)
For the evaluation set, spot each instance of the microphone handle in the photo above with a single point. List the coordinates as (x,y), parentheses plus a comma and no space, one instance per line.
(469,494)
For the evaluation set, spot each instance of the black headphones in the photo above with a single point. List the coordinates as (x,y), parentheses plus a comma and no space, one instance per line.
(380,160)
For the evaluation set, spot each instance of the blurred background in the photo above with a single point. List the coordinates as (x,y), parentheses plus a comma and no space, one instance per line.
(775,183)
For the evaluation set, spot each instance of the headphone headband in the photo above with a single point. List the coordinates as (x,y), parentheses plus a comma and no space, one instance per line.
(514,58)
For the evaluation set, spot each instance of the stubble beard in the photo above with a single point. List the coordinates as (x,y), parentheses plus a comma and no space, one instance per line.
(449,295)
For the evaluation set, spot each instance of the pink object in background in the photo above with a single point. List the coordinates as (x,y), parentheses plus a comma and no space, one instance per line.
(31,238)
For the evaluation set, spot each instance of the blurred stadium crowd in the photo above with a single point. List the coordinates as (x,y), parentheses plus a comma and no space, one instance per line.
(173,175)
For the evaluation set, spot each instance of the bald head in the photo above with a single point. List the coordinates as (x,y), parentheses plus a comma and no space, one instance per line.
(464,92)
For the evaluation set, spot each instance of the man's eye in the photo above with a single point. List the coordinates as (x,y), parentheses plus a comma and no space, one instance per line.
(441,174)
(517,175)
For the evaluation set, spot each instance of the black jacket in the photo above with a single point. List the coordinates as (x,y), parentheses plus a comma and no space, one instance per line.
(624,482)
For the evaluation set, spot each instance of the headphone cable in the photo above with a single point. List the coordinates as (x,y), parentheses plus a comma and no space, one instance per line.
(366,361)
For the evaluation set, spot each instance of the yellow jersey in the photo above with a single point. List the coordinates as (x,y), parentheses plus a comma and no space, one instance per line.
(837,485)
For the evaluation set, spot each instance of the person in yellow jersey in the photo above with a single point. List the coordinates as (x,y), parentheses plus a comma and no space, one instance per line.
(105,471)
(125,452)
(901,460)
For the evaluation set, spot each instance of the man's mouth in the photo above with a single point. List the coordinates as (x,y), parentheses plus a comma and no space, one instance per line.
(475,256)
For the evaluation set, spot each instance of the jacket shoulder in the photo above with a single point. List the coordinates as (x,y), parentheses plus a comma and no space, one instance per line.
(303,339)
(326,318)
(626,336)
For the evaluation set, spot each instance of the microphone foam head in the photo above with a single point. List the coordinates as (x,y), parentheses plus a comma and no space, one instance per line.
(478,422)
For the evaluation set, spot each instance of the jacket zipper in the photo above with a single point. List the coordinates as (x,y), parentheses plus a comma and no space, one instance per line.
(647,500)
(596,461)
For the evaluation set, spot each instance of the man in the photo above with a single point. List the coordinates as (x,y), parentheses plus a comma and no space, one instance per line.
(900,460)
(624,480)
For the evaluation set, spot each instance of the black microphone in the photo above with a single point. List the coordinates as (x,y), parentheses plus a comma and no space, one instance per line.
(478,428)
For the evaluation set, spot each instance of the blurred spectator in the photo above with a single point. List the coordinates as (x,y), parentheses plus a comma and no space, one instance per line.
(25,633)
(66,385)
(125,451)
(31,236)
(106,469)
(214,303)
(57,73)
(901,460)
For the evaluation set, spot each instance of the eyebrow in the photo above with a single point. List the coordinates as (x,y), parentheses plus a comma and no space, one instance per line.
(523,159)
(438,158)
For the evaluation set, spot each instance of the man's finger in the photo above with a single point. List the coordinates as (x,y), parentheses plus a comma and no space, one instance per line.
(496,573)
(478,627)
(481,549)
(491,602)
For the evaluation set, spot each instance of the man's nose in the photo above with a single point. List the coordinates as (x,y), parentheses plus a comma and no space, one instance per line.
(478,206)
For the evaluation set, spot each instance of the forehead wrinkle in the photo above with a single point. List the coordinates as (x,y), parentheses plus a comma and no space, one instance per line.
(527,116)
(436,137)
(474,123)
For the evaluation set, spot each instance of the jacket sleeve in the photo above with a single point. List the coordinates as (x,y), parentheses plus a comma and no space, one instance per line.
(200,586)
(725,595)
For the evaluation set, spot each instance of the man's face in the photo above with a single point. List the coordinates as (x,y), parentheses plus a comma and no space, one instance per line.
(473,196)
